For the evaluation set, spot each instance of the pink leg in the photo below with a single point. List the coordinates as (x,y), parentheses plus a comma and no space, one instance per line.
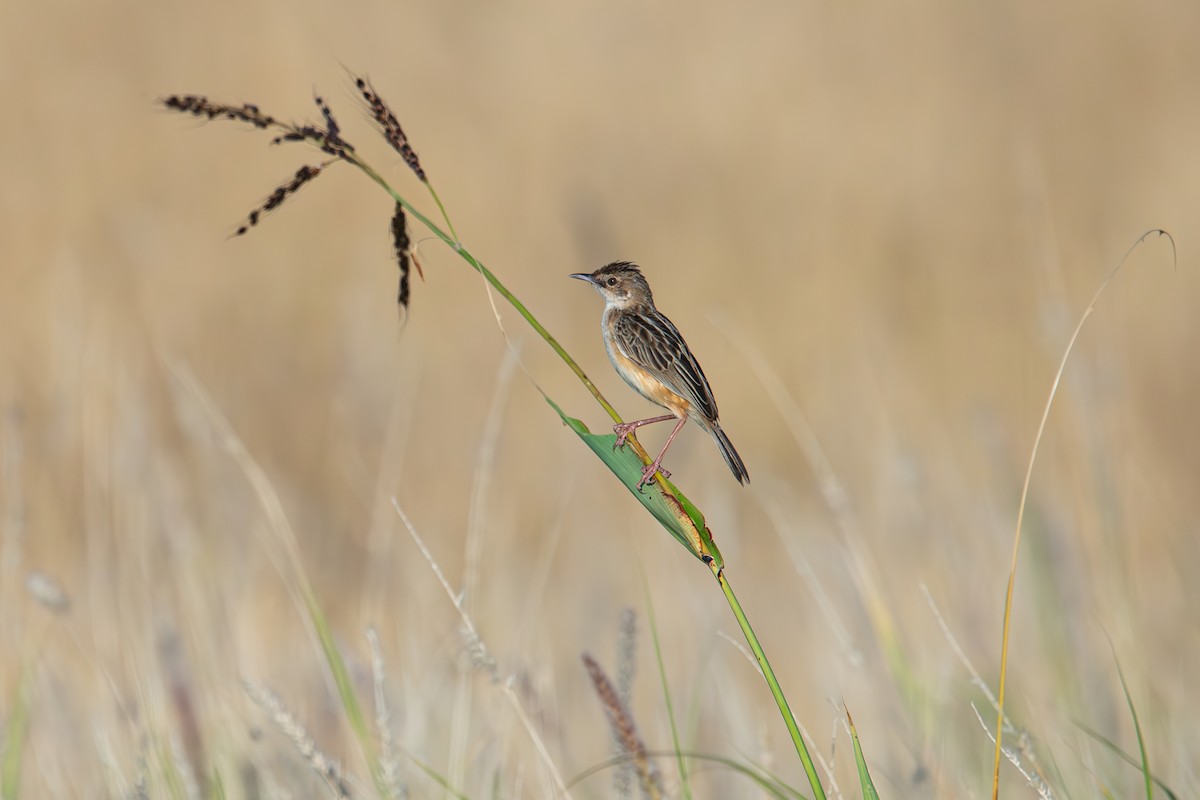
(656,464)
(625,428)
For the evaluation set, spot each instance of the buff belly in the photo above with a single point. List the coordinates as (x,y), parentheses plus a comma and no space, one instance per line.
(646,384)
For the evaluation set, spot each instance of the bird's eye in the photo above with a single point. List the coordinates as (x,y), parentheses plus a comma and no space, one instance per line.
(611,281)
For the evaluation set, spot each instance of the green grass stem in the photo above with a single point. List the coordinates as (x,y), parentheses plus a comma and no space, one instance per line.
(769,675)
(684,784)
(1137,727)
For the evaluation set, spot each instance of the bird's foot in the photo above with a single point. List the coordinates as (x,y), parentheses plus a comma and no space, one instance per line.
(622,431)
(648,473)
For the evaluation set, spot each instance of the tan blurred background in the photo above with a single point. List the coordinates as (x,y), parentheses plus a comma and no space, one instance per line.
(879,222)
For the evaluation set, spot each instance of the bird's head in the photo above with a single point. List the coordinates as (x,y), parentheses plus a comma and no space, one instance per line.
(620,283)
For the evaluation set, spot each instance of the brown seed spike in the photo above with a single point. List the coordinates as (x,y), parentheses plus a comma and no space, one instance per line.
(624,732)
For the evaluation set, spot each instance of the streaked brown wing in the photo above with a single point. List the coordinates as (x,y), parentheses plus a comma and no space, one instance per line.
(652,342)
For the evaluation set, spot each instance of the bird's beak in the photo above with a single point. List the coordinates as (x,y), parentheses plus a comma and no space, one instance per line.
(583,276)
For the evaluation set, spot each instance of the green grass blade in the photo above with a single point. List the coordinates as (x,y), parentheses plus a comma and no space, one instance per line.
(217,786)
(1137,727)
(345,689)
(677,514)
(864,777)
(436,777)
(779,783)
(14,739)
(1128,759)
(765,781)
(171,775)
(666,688)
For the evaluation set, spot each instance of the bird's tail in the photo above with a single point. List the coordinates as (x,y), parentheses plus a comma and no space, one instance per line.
(731,455)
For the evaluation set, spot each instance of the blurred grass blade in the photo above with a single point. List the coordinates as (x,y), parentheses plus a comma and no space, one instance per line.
(864,777)
(684,784)
(14,738)
(682,520)
(171,775)
(778,782)
(1137,727)
(1120,753)
(345,689)
(765,781)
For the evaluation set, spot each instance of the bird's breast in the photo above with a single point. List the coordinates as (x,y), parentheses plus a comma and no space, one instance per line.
(642,381)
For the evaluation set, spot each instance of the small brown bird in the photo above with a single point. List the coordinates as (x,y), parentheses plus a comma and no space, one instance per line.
(649,353)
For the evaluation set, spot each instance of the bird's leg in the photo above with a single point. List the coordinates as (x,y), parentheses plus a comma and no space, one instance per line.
(625,428)
(656,464)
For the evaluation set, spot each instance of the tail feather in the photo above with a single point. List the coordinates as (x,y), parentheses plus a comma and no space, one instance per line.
(730,454)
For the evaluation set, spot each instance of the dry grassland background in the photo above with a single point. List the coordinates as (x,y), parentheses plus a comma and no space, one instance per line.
(900,210)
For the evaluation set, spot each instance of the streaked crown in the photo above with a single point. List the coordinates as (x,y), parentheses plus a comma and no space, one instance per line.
(621,284)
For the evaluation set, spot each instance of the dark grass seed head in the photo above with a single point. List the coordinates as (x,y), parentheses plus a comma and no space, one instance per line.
(332,133)
(282,192)
(390,126)
(200,106)
(401,243)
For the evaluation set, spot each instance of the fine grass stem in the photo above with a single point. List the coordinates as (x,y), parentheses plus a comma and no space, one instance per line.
(1137,727)
(285,551)
(666,688)
(484,659)
(1037,439)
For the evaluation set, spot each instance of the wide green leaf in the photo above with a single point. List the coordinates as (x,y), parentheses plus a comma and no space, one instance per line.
(673,511)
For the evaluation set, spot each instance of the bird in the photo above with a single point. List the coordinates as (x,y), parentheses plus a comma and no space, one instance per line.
(649,353)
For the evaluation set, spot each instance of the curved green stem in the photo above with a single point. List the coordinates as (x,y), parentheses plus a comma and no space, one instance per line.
(437,200)
(769,674)
(478,266)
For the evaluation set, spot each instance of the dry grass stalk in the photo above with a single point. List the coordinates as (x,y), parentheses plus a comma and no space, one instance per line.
(626,670)
(1023,757)
(480,657)
(1014,755)
(383,721)
(624,730)
(291,727)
